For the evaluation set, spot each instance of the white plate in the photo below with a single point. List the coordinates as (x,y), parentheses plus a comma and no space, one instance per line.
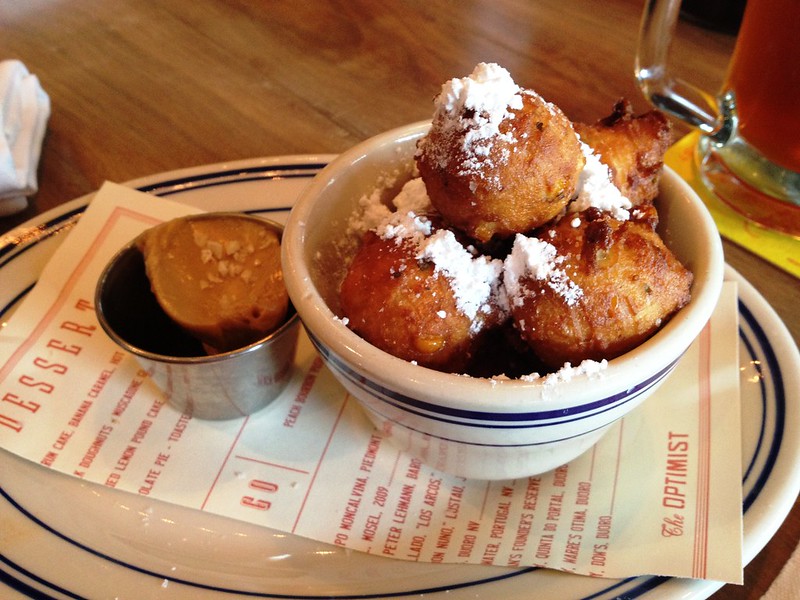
(61,537)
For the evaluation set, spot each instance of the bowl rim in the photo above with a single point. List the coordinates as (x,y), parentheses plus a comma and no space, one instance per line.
(471,393)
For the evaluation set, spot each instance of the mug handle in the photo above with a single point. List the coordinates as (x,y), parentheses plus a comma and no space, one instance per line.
(672,95)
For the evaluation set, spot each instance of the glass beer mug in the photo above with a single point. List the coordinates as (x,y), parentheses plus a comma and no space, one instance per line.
(749,148)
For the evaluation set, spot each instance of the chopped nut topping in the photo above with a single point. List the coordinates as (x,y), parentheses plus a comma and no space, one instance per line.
(227,258)
(217,277)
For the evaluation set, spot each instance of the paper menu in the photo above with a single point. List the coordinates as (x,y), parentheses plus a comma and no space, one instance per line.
(640,502)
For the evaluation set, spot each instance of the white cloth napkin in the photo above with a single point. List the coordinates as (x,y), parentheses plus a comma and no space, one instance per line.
(24,110)
(787,585)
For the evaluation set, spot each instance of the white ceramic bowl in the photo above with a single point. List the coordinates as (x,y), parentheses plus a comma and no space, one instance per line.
(479,428)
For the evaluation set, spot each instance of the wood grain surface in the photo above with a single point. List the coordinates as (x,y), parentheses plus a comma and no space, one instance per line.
(141,87)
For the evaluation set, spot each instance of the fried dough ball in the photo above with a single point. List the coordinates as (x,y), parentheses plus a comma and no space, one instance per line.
(604,287)
(493,171)
(632,147)
(406,307)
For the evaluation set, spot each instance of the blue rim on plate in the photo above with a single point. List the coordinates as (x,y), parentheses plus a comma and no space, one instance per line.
(753,338)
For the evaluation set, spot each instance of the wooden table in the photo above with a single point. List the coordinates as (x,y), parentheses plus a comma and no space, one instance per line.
(141,87)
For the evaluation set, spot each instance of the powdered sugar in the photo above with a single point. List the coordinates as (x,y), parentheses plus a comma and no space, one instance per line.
(405,226)
(479,103)
(474,280)
(413,197)
(370,213)
(473,108)
(489,88)
(595,188)
(588,368)
(539,259)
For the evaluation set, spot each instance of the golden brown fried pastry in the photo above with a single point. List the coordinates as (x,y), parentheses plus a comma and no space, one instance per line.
(404,306)
(632,147)
(514,181)
(605,287)
(499,164)
(217,276)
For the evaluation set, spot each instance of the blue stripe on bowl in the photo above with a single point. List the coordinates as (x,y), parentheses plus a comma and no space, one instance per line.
(489,425)
(488,419)
(481,445)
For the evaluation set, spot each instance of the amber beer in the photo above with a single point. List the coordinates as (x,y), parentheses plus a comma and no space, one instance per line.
(748,153)
(764,74)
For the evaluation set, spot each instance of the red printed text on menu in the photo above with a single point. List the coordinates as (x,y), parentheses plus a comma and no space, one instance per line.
(660,494)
